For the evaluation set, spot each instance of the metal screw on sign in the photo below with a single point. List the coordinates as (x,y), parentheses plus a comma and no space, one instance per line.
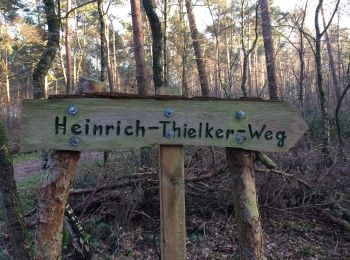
(74,141)
(170,134)
(240,114)
(240,138)
(168,112)
(72,109)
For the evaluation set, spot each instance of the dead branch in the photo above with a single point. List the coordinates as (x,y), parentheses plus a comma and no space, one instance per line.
(284,174)
(215,171)
(335,219)
(267,161)
(140,177)
(105,187)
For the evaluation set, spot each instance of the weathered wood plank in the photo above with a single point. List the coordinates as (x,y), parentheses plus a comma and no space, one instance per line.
(172,196)
(172,202)
(103,124)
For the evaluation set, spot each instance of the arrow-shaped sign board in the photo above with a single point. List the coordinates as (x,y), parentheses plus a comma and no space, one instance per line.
(100,124)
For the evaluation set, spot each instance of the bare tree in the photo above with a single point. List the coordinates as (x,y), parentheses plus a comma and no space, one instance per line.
(269,49)
(49,53)
(69,83)
(246,53)
(139,52)
(157,43)
(103,49)
(331,60)
(318,59)
(197,49)
(298,21)
(337,110)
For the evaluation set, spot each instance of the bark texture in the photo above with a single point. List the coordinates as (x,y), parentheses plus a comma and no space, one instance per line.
(241,165)
(13,212)
(269,49)
(157,43)
(49,53)
(139,52)
(52,202)
(197,49)
(54,191)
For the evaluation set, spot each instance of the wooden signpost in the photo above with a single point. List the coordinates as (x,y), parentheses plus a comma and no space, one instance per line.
(109,122)
(100,124)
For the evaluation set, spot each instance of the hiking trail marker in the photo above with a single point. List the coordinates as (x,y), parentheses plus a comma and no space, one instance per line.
(101,123)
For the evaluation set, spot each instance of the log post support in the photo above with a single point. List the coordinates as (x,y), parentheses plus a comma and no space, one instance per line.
(54,191)
(241,165)
(172,196)
(52,202)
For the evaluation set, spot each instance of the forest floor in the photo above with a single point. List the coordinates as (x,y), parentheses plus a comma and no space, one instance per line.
(124,223)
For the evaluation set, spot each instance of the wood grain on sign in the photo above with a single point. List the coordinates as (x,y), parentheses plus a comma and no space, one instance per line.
(105,123)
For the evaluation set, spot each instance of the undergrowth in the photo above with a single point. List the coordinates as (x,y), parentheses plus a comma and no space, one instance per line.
(123,222)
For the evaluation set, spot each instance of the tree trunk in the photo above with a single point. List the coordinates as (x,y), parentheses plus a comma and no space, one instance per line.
(331,61)
(7,91)
(69,73)
(269,49)
(49,53)
(139,52)
(197,50)
(165,12)
(247,52)
(337,121)
(184,73)
(109,63)
(103,48)
(302,72)
(241,165)
(319,76)
(10,203)
(54,192)
(115,65)
(157,43)
(52,202)
(47,57)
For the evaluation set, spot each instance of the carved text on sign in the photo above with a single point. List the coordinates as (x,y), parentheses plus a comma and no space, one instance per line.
(99,124)
(203,130)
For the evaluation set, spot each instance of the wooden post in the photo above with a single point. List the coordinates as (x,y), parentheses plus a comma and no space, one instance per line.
(54,192)
(172,196)
(241,165)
